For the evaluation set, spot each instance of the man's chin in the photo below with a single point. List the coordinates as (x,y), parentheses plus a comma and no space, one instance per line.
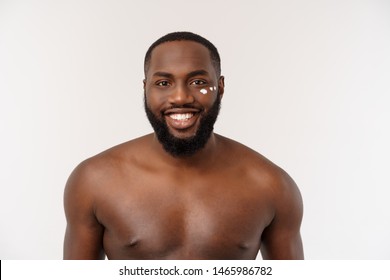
(184,134)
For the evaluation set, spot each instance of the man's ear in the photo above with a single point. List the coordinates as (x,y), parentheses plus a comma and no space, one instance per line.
(144,83)
(221,86)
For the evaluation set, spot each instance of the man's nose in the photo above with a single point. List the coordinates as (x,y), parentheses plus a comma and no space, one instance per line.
(181,95)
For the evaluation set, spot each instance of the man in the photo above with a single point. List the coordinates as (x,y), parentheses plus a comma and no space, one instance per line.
(182,192)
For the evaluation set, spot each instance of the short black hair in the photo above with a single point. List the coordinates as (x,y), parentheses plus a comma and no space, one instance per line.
(186,36)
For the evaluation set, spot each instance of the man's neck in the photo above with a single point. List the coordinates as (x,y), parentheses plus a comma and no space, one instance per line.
(198,160)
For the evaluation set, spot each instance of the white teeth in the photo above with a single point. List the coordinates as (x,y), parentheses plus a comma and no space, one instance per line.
(181,116)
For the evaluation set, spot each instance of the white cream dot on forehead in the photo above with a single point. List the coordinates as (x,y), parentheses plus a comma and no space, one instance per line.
(203,90)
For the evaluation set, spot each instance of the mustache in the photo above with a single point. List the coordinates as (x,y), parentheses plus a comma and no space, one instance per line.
(184,106)
(174,106)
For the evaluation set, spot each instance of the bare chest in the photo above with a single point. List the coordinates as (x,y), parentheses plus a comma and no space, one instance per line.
(194,219)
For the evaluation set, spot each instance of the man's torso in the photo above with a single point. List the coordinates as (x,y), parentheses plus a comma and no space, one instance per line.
(152,211)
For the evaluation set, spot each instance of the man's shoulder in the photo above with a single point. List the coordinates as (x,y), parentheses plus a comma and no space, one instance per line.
(118,154)
(246,156)
(257,166)
(106,164)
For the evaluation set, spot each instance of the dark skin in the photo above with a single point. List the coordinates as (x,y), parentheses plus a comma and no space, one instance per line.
(136,201)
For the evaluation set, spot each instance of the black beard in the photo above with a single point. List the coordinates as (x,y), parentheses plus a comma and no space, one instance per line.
(180,147)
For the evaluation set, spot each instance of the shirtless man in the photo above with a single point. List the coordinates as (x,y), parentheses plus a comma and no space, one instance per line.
(182,192)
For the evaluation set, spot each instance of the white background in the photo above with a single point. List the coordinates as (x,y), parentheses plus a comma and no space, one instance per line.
(307,85)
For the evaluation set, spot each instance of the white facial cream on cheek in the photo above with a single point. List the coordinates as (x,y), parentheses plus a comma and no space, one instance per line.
(205,91)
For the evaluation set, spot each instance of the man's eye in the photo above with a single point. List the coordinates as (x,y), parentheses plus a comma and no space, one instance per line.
(163,83)
(198,82)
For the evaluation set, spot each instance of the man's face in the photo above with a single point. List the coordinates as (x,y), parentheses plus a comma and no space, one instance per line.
(182,96)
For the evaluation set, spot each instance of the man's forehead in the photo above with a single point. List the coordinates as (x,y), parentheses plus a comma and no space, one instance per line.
(180,53)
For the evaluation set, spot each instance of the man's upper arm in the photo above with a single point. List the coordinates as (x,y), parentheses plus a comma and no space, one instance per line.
(84,234)
(282,238)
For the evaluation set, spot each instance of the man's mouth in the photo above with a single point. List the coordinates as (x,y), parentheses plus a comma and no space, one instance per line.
(181,119)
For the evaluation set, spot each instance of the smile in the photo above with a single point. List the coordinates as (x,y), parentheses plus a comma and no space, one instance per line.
(181,120)
(181,117)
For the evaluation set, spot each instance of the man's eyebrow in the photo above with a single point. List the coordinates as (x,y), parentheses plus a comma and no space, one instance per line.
(198,73)
(162,74)
(191,74)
